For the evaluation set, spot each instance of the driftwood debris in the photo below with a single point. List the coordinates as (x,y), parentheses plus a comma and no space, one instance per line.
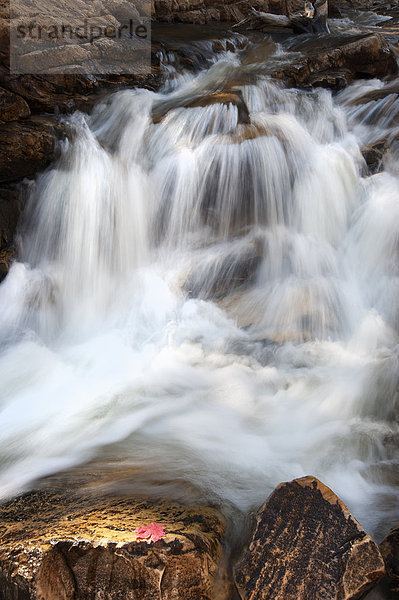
(313,19)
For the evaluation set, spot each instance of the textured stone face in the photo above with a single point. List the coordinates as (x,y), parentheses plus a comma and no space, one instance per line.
(307,545)
(57,547)
(26,147)
(12,107)
(206,11)
(357,57)
(390,552)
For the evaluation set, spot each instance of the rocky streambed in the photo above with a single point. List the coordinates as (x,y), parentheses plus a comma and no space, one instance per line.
(75,537)
(60,543)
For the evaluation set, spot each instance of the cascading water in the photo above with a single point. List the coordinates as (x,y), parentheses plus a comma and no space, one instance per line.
(118,343)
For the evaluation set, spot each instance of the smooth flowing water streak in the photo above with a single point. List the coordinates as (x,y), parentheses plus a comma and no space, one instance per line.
(125,333)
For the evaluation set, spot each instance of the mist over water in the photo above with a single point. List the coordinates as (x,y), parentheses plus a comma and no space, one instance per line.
(117,344)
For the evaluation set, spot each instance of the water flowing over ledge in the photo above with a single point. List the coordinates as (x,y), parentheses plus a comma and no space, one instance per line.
(115,344)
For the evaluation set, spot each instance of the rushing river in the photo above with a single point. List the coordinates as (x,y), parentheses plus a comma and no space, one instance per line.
(126,337)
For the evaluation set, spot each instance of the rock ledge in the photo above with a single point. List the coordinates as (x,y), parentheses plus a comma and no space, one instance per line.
(55,547)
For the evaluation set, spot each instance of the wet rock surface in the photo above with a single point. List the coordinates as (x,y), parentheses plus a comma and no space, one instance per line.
(390,551)
(374,155)
(306,544)
(27,146)
(65,93)
(234,98)
(11,206)
(336,6)
(221,277)
(12,106)
(205,11)
(30,105)
(336,62)
(59,545)
(7,255)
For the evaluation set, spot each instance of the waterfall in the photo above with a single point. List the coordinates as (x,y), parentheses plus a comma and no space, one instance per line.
(210,296)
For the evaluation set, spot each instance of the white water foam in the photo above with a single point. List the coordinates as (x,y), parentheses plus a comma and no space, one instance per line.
(103,352)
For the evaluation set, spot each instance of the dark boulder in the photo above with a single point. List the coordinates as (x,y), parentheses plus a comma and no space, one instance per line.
(390,551)
(27,147)
(336,6)
(10,210)
(7,255)
(206,11)
(337,62)
(306,545)
(12,106)
(374,155)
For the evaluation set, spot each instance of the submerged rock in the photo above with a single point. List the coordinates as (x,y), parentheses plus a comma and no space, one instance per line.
(390,552)
(223,275)
(58,546)
(161,109)
(307,545)
(374,155)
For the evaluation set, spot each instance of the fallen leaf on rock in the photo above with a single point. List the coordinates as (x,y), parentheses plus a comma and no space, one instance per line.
(154,532)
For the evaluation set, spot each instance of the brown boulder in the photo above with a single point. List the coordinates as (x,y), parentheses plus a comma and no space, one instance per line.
(370,56)
(56,545)
(307,545)
(12,201)
(50,93)
(235,98)
(127,53)
(7,255)
(358,57)
(12,107)
(43,60)
(123,10)
(390,551)
(63,93)
(338,5)
(203,11)
(4,40)
(162,8)
(27,147)
(196,17)
(10,210)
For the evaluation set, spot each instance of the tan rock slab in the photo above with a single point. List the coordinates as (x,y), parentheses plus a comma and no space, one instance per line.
(62,546)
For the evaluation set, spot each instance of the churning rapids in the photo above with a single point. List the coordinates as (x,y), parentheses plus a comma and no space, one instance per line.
(117,342)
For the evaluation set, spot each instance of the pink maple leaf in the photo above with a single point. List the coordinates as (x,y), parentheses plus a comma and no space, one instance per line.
(154,531)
